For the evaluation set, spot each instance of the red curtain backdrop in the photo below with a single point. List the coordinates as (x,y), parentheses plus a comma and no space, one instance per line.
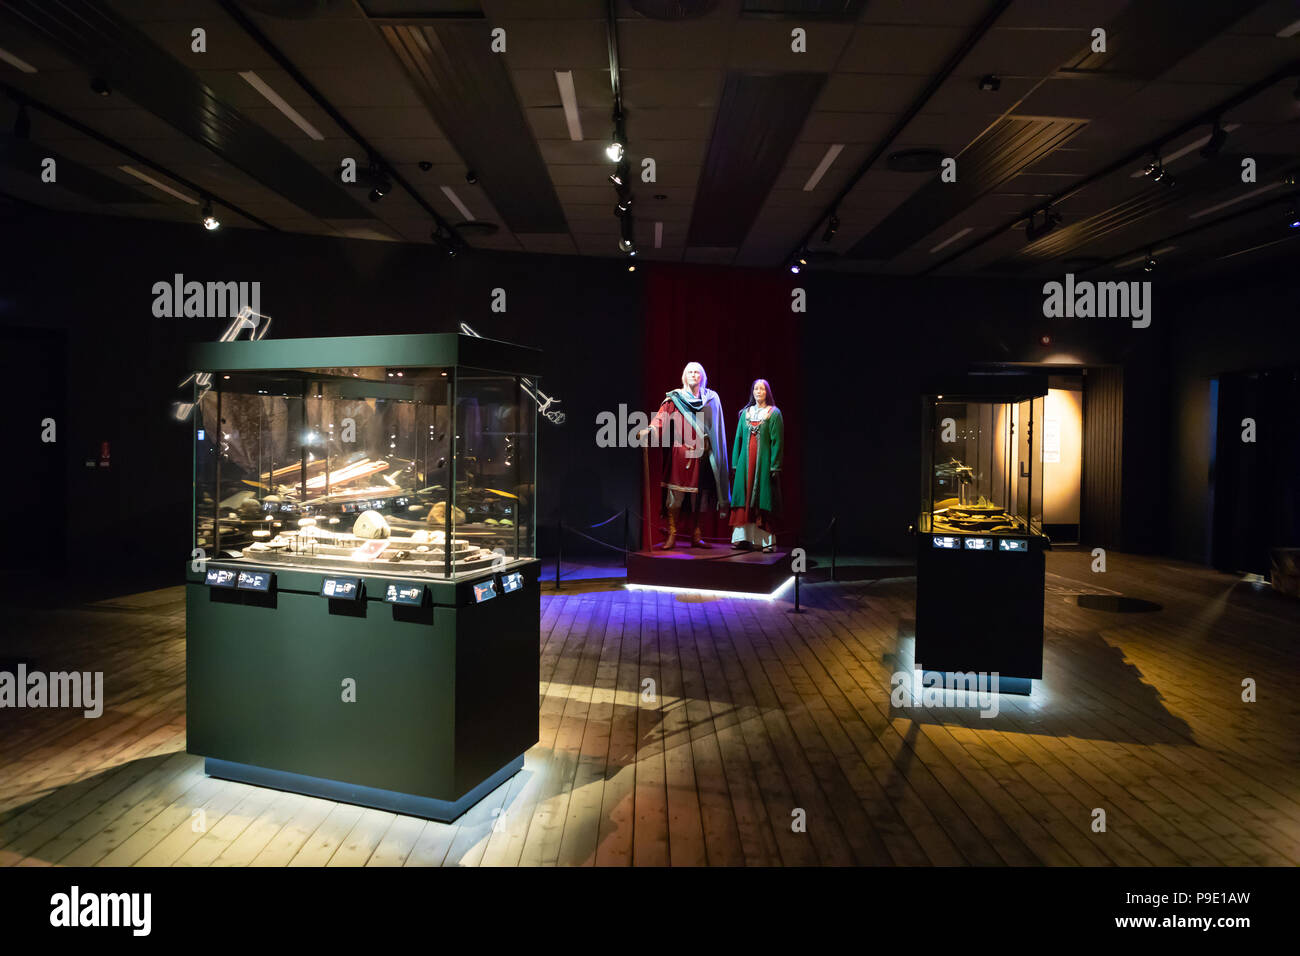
(737,324)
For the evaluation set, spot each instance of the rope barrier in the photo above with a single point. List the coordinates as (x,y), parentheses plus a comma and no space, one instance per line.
(606,521)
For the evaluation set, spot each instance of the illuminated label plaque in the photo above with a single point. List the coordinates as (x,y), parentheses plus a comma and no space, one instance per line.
(398,593)
(979,544)
(341,589)
(220,577)
(255,580)
(1013,544)
(484,591)
(941,541)
(511,582)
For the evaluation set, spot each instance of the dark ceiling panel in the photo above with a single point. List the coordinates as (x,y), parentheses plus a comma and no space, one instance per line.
(759,118)
(468,90)
(95,37)
(1149,37)
(1011,145)
(820,9)
(24,156)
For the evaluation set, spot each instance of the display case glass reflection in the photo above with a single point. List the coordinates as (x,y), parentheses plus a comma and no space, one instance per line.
(981,468)
(401,470)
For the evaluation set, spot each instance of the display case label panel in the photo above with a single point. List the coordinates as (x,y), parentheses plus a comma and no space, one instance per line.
(1013,544)
(341,589)
(220,577)
(484,591)
(255,580)
(979,544)
(401,593)
(946,541)
(511,582)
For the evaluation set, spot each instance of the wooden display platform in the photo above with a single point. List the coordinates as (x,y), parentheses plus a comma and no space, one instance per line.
(716,569)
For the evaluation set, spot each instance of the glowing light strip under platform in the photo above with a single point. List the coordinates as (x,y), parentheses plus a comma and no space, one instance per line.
(703,591)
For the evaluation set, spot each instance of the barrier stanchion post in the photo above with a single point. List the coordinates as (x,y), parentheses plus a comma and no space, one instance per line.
(835,576)
(625,538)
(559,534)
(797,575)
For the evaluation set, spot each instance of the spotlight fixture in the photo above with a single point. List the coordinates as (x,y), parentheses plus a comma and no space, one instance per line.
(1293,217)
(1149,264)
(471,177)
(631,268)
(383,186)
(22,124)
(627,235)
(795,267)
(1218,136)
(1154,168)
(619,177)
(210,222)
(802,258)
(832,224)
(990,83)
(618,141)
(624,206)
(100,85)
(1035,230)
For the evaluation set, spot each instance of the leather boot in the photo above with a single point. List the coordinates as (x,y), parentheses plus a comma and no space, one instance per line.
(672,530)
(696,540)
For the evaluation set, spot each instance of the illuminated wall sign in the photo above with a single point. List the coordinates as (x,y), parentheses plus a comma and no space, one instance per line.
(220,577)
(979,544)
(941,541)
(255,580)
(484,591)
(398,593)
(341,589)
(511,582)
(1013,544)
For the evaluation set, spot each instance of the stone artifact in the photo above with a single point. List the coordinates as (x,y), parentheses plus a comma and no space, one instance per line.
(372,525)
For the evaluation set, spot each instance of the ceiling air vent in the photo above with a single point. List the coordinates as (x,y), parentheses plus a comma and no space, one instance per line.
(673,9)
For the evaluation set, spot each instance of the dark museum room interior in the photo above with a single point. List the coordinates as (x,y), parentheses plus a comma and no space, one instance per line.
(344,341)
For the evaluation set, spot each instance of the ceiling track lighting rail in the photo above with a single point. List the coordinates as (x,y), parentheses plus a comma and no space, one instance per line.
(949,67)
(1144,251)
(616,152)
(23,100)
(246,24)
(1244,95)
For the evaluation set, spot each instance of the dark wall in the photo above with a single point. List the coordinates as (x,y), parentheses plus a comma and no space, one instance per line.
(873,346)
(1247,323)
(868,348)
(92,279)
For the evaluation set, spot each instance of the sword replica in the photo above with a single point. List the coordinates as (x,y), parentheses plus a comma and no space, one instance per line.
(544,401)
(245,319)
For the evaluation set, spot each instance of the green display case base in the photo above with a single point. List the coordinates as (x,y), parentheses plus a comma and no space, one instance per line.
(442,810)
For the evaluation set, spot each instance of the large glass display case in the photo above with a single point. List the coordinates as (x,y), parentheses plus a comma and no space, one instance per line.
(363,567)
(396,469)
(980,560)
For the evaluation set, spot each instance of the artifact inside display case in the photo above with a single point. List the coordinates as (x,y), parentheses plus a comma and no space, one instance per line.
(981,472)
(415,471)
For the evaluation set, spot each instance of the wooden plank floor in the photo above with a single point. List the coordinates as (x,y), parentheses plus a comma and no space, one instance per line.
(696,731)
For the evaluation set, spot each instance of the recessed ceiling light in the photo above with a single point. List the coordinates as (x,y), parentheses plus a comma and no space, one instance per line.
(276,100)
(455,201)
(16,62)
(146,178)
(951,239)
(1233,201)
(569,101)
(832,152)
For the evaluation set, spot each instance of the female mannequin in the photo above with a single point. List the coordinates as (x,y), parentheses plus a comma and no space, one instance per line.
(689,423)
(756,455)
